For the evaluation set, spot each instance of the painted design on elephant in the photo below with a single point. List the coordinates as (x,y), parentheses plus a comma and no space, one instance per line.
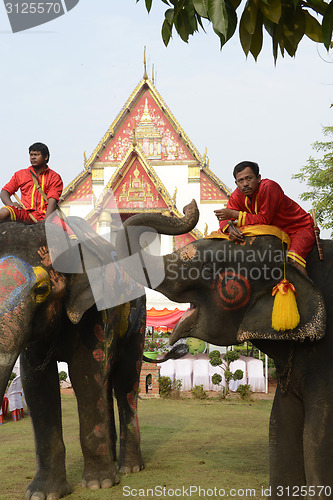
(8,338)
(99,430)
(101,406)
(132,401)
(121,320)
(233,290)
(99,333)
(58,282)
(99,355)
(98,379)
(45,258)
(188,253)
(17,279)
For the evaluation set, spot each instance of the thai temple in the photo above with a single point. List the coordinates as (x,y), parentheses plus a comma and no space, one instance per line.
(146,162)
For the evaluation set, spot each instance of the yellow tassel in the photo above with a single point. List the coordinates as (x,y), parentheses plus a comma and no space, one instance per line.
(285,315)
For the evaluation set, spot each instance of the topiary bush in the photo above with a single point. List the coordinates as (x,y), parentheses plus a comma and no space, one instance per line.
(62,376)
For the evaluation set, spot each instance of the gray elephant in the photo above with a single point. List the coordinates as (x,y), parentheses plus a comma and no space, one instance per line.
(229,287)
(51,316)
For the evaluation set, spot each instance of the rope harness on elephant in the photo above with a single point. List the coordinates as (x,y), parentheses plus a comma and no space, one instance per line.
(284,376)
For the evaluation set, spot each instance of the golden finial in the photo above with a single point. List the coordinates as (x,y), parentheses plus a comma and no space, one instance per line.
(152,75)
(85,159)
(174,196)
(206,229)
(134,142)
(207,164)
(145,76)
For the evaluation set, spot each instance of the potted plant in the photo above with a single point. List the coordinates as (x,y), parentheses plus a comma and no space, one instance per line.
(153,347)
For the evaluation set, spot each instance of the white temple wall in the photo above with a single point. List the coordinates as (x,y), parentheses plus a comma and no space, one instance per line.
(174,176)
(208,217)
(108,173)
(80,210)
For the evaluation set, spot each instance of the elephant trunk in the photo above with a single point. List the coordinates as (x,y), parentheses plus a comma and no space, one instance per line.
(144,267)
(7,362)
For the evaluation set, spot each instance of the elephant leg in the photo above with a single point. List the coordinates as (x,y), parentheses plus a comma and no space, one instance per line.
(286,444)
(130,458)
(318,441)
(86,370)
(126,377)
(42,392)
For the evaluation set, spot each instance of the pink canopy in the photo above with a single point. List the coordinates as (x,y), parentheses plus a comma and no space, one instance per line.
(167,318)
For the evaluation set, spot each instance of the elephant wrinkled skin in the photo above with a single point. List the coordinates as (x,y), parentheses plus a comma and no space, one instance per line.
(229,287)
(50,316)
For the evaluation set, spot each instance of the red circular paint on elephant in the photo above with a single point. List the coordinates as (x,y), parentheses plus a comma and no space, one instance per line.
(99,355)
(233,290)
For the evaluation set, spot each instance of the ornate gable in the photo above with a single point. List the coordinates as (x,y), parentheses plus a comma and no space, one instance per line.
(155,133)
(209,190)
(137,189)
(83,191)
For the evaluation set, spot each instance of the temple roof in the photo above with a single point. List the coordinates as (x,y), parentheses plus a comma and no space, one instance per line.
(133,188)
(157,131)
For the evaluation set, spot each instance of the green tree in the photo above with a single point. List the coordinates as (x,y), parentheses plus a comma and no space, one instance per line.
(215,360)
(318,175)
(286,21)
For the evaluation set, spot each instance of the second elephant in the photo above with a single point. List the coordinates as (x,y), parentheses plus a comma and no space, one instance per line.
(51,316)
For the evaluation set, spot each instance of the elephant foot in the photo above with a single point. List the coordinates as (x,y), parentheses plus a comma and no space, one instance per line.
(99,480)
(132,463)
(125,469)
(47,490)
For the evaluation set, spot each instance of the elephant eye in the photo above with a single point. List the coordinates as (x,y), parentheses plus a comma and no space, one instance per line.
(43,286)
(42,290)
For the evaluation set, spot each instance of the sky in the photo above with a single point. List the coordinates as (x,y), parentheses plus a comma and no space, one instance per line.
(64,82)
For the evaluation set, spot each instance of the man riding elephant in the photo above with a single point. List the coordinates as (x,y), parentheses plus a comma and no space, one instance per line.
(262,201)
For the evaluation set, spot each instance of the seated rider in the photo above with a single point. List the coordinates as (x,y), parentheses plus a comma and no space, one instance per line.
(33,207)
(262,201)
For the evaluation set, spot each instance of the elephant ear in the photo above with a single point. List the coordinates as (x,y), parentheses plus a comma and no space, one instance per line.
(89,256)
(257,321)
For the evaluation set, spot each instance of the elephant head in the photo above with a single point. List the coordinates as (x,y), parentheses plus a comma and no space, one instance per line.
(228,285)
(35,293)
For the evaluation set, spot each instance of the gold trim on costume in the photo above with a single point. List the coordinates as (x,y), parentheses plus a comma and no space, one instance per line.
(256,230)
(11,212)
(297,258)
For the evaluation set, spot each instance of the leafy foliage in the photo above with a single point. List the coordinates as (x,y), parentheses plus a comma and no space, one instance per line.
(169,388)
(155,344)
(286,21)
(244,390)
(62,376)
(215,360)
(318,175)
(198,392)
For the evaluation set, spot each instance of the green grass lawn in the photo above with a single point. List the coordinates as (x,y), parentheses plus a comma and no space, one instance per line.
(207,444)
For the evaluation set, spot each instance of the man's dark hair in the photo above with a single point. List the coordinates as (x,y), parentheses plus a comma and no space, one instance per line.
(243,164)
(39,146)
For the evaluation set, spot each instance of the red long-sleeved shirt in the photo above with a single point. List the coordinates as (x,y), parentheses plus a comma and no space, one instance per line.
(50,182)
(268,205)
